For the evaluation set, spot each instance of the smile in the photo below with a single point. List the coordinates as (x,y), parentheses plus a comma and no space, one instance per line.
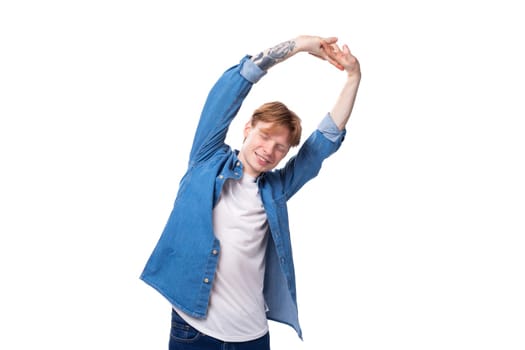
(263,159)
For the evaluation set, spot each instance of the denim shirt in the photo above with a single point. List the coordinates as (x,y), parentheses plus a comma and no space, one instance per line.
(183,263)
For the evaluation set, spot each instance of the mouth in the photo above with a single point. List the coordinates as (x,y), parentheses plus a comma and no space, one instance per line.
(262,160)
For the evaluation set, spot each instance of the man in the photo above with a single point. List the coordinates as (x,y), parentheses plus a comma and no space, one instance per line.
(224,259)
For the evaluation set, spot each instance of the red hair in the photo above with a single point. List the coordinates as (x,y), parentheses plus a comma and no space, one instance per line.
(279,115)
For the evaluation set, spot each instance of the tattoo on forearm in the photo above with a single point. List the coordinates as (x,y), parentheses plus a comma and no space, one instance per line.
(276,54)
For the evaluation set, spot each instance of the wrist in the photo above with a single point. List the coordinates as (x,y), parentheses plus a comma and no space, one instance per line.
(353,79)
(302,43)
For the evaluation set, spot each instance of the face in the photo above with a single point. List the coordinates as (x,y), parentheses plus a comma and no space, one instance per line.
(262,149)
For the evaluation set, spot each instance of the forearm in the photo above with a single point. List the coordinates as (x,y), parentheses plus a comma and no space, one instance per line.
(345,102)
(270,57)
(281,52)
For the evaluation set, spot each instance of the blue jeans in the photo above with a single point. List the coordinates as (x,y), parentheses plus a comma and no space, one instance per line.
(185,337)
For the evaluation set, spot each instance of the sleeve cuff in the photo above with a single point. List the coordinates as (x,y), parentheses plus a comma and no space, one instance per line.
(250,71)
(328,128)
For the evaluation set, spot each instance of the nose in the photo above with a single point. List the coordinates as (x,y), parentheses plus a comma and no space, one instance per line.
(268,148)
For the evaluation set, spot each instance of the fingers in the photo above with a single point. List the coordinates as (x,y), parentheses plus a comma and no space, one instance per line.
(339,57)
(330,40)
(335,64)
(330,51)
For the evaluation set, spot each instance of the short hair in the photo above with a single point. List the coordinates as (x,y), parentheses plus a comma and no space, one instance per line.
(280,116)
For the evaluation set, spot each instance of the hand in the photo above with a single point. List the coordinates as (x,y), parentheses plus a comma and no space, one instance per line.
(344,59)
(319,47)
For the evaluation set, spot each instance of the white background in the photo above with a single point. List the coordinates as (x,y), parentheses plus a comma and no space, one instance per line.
(412,237)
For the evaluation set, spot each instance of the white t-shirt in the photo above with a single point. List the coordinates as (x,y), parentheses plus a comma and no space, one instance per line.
(237,309)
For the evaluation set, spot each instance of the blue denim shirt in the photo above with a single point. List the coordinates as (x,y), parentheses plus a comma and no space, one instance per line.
(183,263)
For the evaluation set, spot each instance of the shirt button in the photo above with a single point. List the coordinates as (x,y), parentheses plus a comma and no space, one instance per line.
(221,176)
(236,174)
(206,280)
(238,163)
(215,252)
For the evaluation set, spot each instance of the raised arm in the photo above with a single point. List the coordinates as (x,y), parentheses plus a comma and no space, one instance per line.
(314,45)
(345,103)
(325,49)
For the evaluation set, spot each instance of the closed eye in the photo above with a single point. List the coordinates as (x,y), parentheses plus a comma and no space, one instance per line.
(282,148)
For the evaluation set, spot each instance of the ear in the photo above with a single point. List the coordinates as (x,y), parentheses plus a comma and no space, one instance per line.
(247,129)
